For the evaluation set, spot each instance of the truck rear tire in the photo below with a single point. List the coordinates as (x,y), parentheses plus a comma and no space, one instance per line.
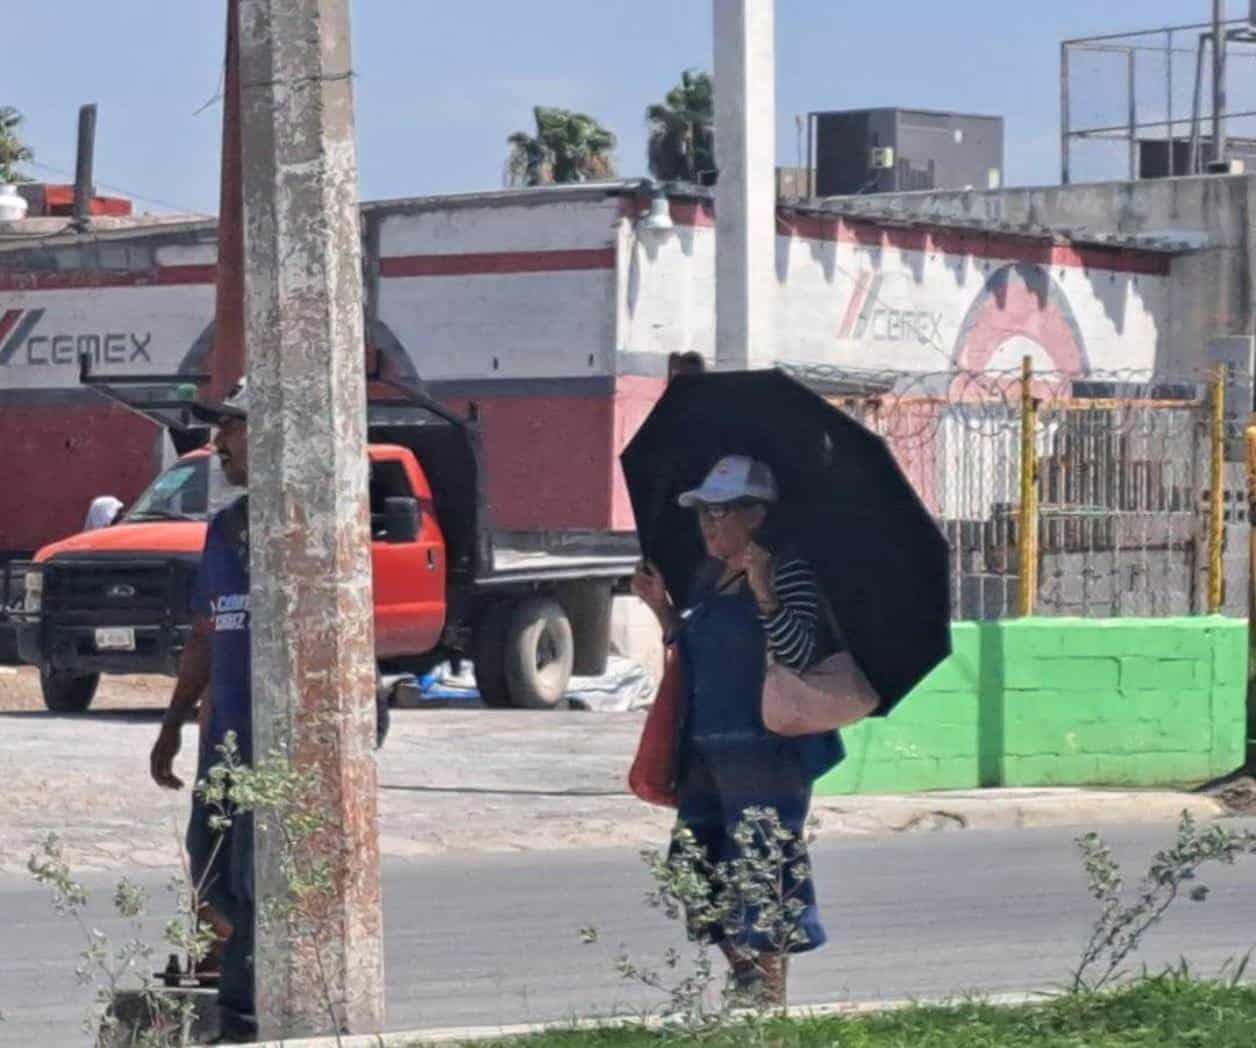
(488,652)
(524,654)
(66,693)
(540,651)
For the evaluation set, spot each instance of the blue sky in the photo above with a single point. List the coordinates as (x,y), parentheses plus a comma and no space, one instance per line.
(440,85)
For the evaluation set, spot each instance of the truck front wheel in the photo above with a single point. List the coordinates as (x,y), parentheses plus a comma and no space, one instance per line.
(524,654)
(65,692)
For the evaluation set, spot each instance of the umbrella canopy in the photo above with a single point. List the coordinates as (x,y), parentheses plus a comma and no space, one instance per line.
(845,506)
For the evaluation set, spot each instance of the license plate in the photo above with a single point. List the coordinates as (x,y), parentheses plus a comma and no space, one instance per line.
(116,639)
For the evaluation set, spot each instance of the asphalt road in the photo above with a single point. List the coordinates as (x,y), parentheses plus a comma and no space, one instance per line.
(476,940)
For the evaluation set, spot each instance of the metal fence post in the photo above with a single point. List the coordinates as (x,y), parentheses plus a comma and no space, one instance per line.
(1250,435)
(1216,493)
(1027,519)
(1066,138)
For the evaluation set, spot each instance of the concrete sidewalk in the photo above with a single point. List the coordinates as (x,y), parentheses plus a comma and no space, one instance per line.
(472,1034)
(458,781)
(998,809)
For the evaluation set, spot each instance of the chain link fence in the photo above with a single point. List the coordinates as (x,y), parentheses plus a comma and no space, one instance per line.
(1121,469)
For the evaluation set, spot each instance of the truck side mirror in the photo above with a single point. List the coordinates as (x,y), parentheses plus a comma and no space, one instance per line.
(401,519)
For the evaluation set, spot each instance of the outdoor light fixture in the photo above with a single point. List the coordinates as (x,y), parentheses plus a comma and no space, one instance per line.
(659,217)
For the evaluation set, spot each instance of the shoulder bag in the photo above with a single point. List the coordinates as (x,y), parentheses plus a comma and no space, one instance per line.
(832,694)
(652,776)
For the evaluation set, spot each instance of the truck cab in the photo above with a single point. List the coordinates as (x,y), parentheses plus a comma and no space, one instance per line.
(120,599)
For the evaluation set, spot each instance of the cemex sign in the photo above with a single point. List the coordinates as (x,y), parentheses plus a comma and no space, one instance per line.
(25,338)
(121,330)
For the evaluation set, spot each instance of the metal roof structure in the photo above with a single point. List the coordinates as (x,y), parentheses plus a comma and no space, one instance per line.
(898,217)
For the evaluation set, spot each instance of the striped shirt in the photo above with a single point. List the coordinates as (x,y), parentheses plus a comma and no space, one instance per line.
(792,633)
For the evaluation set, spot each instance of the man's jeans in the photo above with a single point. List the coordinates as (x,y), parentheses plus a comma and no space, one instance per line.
(235,988)
(224,873)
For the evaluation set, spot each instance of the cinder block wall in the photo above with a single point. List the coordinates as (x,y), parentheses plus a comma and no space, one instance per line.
(1054,702)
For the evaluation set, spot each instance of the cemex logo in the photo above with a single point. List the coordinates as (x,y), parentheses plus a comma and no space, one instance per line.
(20,344)
(866,318)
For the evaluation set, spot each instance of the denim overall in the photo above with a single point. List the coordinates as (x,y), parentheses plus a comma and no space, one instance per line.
(728,761)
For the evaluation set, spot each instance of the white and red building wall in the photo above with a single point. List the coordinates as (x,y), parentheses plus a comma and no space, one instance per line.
(554,310)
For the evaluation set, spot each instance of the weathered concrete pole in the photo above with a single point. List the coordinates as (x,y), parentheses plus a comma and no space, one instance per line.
(313,644)
(745,195)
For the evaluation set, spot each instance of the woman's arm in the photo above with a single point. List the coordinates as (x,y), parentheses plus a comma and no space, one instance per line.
(792,627)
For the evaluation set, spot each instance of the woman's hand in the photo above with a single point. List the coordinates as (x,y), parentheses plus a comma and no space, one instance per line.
(648,584)
(757,563)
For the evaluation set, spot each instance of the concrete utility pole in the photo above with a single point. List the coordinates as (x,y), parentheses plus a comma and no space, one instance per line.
(313,644)
(745,195)
(1218,81)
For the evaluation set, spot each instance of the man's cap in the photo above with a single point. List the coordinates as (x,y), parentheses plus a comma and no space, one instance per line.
(236,405)
(733,477)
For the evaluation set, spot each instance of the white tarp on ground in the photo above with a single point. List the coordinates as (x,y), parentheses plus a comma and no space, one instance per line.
(626,685)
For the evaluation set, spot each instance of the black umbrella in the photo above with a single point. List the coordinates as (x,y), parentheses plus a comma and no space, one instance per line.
(845,506)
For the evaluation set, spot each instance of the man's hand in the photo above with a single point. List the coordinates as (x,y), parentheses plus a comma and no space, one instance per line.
(161,760)
(188,689)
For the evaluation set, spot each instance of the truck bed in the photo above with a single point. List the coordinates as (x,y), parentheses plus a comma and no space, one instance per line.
(512,567)
(544,556)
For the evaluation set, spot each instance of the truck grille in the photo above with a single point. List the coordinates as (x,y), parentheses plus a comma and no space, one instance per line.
(102,592)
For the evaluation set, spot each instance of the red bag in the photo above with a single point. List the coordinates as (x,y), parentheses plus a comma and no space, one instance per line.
(652,776)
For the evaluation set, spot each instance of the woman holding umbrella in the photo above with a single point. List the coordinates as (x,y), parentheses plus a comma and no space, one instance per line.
(745,604)
(861,552)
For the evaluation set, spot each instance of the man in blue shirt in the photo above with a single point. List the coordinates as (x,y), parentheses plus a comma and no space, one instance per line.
(217,656)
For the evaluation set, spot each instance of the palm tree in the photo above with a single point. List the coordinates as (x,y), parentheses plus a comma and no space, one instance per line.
(682,131)
(12,149)
(567,147)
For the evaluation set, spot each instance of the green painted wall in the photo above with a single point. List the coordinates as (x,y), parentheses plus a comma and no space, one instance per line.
(1054,702)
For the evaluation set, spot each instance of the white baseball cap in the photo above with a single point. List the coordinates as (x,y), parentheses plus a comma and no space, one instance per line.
(733,477)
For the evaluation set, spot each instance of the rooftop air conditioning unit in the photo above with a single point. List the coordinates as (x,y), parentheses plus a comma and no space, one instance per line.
(882,159)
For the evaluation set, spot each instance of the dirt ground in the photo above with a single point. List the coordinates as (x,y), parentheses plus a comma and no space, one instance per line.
(19,690)
(450,780)
(1237,792)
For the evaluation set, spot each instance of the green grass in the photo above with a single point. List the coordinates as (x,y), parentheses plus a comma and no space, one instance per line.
(1162,1011)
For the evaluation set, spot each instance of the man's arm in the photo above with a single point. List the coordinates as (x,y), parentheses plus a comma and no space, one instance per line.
(193,680)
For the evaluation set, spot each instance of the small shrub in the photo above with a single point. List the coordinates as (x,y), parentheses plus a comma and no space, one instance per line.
(277,796)
(1121,925)
(755,890)
(114,970)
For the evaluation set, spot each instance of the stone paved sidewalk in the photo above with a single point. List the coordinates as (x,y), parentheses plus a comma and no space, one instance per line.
(456,781)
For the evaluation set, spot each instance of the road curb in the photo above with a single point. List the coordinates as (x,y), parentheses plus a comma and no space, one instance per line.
(471,1034)
(1004,809)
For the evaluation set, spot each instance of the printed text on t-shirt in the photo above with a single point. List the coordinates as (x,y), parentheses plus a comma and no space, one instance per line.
(231,612)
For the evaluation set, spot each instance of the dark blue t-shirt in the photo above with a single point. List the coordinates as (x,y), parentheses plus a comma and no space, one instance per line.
(222,593)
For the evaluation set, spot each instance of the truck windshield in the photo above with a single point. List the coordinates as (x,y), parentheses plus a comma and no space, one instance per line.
(191,489)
